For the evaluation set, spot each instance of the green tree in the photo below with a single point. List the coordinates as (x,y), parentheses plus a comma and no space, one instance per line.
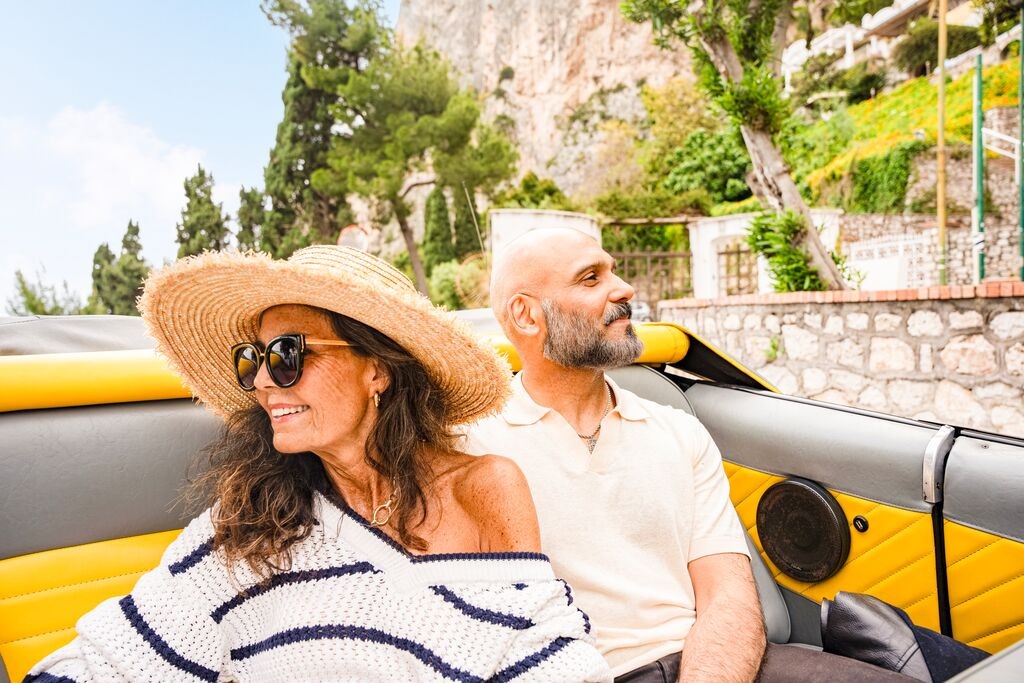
(404,124)
(466,239)
(737,49)
(39,298)
(330,40)
(674,110)
(102,264)
(437,236)
(250,218)
(117,284)
(535,193)
(203,226)
(919,48)
(716,162)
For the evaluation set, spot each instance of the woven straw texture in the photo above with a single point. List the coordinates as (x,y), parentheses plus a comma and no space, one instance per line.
(198,307)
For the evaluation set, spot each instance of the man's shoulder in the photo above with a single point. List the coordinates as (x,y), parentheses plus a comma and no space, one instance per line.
(633,405)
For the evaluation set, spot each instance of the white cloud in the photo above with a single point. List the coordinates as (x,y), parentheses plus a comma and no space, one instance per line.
(72,182)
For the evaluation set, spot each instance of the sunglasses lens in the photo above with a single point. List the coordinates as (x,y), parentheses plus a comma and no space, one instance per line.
(247,364)
(283,360)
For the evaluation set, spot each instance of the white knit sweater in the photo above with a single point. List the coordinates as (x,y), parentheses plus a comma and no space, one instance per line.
(354,606)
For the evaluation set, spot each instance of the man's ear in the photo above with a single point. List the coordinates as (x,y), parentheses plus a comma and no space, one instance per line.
(525,315)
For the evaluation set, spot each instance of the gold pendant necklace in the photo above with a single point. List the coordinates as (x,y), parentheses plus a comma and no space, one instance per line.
(591,439)
(382,513)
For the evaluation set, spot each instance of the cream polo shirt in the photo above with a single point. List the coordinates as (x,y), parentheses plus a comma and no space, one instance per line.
(621,524)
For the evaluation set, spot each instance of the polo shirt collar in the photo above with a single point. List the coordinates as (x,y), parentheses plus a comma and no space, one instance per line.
(521,409)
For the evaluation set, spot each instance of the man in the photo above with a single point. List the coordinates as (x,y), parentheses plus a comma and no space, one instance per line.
(633,503)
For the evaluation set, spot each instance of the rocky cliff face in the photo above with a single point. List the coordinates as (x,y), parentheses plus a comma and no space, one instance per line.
(550,69)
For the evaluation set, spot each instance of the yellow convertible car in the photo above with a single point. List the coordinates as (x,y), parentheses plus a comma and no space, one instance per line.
(96,436)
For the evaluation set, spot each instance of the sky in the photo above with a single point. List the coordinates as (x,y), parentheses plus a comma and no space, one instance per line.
(107,106)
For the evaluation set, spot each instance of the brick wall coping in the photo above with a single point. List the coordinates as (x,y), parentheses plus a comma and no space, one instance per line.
(984,290)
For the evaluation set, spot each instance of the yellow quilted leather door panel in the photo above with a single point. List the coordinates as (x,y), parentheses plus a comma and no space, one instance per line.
(986,587)
(42,595)
(894,560)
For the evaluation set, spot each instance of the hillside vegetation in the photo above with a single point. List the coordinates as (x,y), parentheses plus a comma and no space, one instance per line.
(886,131)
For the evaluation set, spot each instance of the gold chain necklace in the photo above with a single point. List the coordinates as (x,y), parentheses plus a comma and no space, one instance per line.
(591,439)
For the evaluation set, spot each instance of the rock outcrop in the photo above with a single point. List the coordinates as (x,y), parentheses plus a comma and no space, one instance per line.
(551,70)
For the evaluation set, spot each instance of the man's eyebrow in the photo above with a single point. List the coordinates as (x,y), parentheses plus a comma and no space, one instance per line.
(594,265)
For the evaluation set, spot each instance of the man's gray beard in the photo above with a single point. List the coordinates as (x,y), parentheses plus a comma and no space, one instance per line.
(574,342)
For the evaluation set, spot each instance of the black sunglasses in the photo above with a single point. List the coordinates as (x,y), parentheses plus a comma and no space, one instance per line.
(283,357)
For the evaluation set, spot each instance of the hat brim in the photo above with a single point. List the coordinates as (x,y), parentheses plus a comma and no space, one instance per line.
(197,308)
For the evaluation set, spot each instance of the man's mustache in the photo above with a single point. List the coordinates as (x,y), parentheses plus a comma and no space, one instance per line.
(618,311)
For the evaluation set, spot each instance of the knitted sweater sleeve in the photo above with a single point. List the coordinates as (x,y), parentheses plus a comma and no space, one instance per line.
(162,630)
(557,647)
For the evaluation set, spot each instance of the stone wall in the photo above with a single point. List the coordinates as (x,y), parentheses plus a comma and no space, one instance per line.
(1002,228)
(947,354)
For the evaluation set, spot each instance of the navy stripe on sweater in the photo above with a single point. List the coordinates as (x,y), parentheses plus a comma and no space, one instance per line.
(160,646)
(527,663)
(287,578)
(346,632)
(192,559)
(47,678)
(482,614)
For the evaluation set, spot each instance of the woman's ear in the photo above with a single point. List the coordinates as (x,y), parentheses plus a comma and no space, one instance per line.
(379,378)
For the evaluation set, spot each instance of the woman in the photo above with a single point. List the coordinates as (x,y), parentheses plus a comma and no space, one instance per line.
(346,539)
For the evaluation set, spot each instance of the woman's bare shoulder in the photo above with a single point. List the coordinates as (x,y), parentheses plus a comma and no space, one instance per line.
(495,494)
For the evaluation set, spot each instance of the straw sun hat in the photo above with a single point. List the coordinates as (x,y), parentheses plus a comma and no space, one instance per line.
(198,307)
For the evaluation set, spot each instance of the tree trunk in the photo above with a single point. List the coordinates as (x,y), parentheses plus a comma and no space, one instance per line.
(414,254)
(774,185)
(772,182)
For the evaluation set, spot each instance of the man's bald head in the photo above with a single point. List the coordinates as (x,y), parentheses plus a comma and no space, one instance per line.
(528,263)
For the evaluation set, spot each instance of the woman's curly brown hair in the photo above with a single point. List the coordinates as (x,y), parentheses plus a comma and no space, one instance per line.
(264,499)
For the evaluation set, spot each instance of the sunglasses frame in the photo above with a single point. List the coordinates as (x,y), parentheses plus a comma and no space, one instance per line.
(261,356)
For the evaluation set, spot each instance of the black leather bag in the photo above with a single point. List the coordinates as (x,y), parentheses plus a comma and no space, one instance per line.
(873,631)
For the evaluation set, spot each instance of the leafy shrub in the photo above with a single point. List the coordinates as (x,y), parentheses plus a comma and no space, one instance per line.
(755,101)
(807,149)
(775,236)
(880,182)
(653,204)
(619,238)
(819,75)
(717,162)
(920,48)
(852,11)
(748,205)
(534,193)
(997,16)
(442,285)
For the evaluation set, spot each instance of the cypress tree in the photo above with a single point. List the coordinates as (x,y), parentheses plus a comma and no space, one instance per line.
(437,239)
(466,240)
(203,225)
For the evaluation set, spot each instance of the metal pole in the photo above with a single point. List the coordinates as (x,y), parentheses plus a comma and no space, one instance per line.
(1020,143)
(940,148)
(979,177)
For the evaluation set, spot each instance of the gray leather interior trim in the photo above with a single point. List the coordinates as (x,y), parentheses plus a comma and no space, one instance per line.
(72,334)
(984,486)
(652,385)
(934,464)
(1006,666)
(776,616)
(864,456)
(804,618)
(4,678)
(79,475)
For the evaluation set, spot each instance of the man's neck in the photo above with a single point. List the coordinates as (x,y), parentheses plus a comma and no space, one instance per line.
(580,395)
